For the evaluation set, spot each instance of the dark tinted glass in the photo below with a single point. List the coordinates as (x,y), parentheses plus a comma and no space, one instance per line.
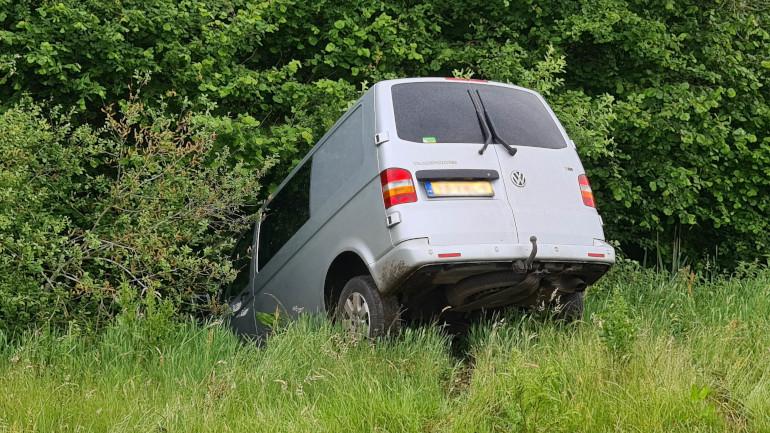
(285,215)
(445,111)
(339,158)
(440,110)
(241,258)
(520,118)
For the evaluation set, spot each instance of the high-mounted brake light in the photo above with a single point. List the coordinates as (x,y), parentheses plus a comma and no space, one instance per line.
(585,191)
(472,80)
(397,187)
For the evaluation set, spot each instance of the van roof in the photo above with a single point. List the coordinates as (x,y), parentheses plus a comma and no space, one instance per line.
(389,83)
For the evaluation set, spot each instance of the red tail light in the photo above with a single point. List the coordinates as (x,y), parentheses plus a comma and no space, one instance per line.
(397,187)
(585,191)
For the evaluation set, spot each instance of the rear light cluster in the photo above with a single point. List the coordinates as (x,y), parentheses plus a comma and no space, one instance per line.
(585,191)
(397,187)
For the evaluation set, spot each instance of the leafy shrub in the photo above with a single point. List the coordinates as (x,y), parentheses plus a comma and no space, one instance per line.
(146,203)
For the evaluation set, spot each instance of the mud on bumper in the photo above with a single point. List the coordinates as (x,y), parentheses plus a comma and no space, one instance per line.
(484,276)
(397,267)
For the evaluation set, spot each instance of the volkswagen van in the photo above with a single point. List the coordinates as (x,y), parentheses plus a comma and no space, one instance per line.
(428,196)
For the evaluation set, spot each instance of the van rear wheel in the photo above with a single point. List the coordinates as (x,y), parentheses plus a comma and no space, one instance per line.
(568,307)
(364,311)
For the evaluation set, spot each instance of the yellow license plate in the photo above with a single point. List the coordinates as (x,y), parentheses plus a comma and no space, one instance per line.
(459,188)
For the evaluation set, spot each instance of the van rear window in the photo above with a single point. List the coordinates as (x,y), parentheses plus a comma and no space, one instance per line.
(442,112)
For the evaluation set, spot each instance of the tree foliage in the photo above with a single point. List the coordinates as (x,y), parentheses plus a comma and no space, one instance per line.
(667,101)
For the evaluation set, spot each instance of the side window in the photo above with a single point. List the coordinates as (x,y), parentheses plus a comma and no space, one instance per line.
(339,158)
(241,258)
(285,215)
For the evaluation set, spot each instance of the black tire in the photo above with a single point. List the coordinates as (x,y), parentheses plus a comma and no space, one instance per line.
(568,307)
(383,311)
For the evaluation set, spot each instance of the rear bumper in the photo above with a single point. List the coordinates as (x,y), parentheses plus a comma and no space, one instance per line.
(407,257)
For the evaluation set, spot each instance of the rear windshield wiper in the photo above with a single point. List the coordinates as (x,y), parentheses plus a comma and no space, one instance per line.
(482,123)
(511,150)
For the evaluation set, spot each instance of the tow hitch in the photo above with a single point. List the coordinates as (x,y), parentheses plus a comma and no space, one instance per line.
(526,265)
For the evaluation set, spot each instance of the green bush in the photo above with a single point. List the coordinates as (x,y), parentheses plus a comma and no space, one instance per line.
(146,206)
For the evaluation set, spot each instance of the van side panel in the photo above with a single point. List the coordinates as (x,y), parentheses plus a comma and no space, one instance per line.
(346,214)
(299,286)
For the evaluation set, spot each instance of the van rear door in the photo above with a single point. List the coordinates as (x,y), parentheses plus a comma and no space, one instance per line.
(461,198)
(535,192)
(542,176)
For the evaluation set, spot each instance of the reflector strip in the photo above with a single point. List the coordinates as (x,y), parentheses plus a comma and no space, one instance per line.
(595,254)
(448,255)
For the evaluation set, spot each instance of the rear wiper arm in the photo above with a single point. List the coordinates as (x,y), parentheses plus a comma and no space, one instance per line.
(511,150)
(484,128)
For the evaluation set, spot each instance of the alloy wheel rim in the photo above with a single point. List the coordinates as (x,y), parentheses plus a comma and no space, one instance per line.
(355,316)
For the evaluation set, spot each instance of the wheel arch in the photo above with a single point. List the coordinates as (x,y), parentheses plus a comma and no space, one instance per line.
(346,265)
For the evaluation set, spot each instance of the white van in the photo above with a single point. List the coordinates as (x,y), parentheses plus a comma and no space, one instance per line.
(430,195)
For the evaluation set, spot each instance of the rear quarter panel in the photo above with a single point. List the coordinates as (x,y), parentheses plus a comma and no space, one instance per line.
(350,218)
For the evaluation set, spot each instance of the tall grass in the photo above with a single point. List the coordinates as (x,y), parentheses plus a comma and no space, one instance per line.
(656,353)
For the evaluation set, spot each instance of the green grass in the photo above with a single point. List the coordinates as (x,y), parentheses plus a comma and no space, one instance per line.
(656,353)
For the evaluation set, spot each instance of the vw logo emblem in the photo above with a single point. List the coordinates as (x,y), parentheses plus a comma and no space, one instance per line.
(518,179)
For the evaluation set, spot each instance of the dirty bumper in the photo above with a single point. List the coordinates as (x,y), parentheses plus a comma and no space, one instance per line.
(395,268)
